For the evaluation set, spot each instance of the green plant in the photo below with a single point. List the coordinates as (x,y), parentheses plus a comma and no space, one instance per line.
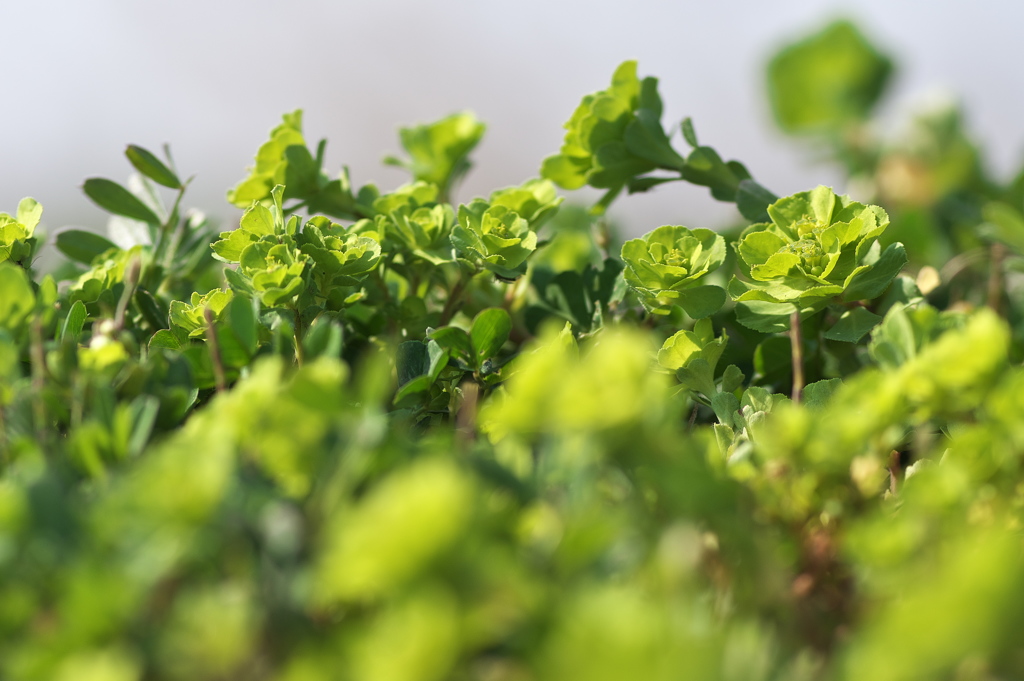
(374,434)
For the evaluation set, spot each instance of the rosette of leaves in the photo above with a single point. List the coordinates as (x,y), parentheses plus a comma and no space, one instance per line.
(190,316)
(537,200)
(693,356)
(494,237)
(276,270)
(17,243)
(664,268)
(818,247)
(605,133)
(411,220)
(615,139)
(285,160)
(439,151)
(340,257)
(102,284)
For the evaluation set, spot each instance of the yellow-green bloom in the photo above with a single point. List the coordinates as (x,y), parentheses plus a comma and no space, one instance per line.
(665,267)
(818,246)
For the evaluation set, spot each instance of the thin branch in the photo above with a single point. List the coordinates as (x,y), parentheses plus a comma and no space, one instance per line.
(996,278)
(454,301)
(215,356)
(797,344)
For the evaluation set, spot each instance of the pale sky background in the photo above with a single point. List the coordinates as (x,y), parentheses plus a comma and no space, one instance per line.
(83,78)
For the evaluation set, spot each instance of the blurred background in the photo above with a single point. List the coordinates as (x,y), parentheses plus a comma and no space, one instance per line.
(83,79)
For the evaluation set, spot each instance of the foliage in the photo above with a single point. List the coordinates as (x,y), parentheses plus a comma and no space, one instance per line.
(389,435)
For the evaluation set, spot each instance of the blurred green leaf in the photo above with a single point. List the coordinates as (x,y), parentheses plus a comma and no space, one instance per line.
(827,80)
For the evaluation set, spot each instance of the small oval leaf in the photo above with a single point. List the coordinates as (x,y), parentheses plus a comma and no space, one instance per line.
(82,246)
(490,330)
(152,167)
(113,197)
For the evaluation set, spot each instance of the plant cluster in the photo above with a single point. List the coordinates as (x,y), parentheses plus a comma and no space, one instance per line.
(389,435)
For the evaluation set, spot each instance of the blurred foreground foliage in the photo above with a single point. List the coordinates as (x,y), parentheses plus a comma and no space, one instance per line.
(371,435)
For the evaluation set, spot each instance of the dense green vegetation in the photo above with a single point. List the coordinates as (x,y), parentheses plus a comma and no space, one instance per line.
(389,435)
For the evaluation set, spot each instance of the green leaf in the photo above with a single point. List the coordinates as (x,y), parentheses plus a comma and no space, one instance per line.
(689,134)
(1005,224)
(82,246)
(457,343)
(894,342)
(706,168)
(323,338)
(764,316)
(725,404)
(872,282)
(853,325)
(301,172)
(756,247)
(438,150)
(152,310)
(113,197)
(257,220)
(419,365)
(16,297)
(817,395)
(152,167)
(74,322)
(702,301)
(415,358)
(644,137)
(242,319)
(165,338)
(29,212)
(698,375)
(732,378)
(642,184)
(238,282)
(753,200)
(144,410)
(827,80)
(490,331)
(773,361)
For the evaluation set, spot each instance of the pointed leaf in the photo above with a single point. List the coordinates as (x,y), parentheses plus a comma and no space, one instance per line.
(152,167)
(753,200)
(490,331)
(74,322)
(689,134)
(872,282)
(853,325)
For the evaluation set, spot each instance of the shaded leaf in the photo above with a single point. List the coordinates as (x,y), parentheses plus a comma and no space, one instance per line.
(113,197)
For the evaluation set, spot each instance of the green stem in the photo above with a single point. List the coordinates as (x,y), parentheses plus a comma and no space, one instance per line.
(454,301)
(38,356)
(995,278)
(3,437)
(131,282)
(300,354)
(168,245)
(215,356)
(797,344)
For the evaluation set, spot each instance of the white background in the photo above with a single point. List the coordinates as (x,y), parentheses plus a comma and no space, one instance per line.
(80,80)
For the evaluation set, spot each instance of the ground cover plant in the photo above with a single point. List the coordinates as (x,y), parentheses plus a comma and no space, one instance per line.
(373,434)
